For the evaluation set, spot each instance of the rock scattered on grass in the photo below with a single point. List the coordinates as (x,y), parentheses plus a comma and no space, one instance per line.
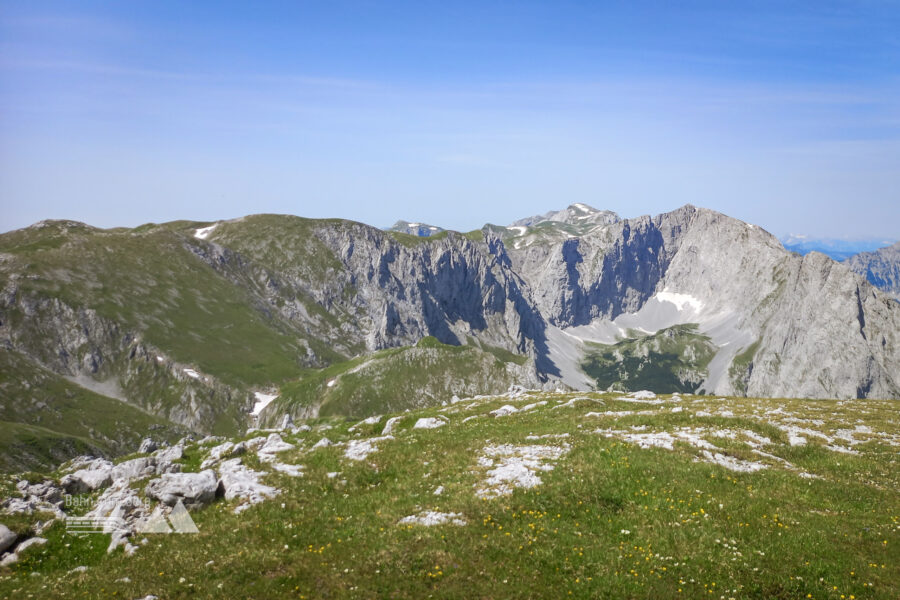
(431,518)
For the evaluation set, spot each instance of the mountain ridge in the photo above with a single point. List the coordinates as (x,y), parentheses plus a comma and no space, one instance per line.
(189,319)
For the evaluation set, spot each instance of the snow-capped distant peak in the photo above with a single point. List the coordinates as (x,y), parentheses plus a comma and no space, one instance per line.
(575,214)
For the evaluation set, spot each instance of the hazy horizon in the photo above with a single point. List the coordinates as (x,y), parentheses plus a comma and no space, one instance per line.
(794,237)
(787,117)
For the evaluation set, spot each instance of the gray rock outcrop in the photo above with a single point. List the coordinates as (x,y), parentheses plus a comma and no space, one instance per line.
(193,489)
(7,538)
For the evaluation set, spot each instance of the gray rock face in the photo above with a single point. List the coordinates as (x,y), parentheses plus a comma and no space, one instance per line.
(43,497)
(604,274)
(147,446)
(881,268)
(243,483)
(286,422)
(97,474)
(171,453)
(191,488)
(450,289)
(576,214)
(804,326)
(7,538)
(224,450)
(784,325)
(96,353)
(136,468)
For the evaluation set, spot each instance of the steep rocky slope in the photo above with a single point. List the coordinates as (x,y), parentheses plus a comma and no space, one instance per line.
(881,268)
(186,321)
(816,329)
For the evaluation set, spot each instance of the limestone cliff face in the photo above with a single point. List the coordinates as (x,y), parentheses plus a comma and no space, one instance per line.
(605,273)
(450,289)
(313,293)
(827,333)
(818,329)
(881,268)
(99,354)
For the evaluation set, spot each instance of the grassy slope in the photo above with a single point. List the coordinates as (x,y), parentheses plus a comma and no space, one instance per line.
(612,520)
(45,420)
(396,379)
(147,281)
(671,360)
(288,246)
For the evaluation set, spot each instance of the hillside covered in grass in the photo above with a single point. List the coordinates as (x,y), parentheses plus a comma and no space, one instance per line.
(397,379)
(530,494)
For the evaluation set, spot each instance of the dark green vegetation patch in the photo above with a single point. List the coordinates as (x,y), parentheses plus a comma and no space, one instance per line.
(671,360)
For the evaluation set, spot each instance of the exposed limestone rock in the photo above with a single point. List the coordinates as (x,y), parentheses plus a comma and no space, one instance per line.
(881,268)
(238,481)
(192,488)
(7,538)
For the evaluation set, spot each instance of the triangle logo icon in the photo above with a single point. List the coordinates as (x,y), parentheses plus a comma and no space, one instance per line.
(181,520)
(155,524)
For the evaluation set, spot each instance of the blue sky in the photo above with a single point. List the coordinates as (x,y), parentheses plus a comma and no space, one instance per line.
(784,114)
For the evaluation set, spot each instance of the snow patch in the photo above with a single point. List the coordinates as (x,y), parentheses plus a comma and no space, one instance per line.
(679,300)
(204,232)
(262,401)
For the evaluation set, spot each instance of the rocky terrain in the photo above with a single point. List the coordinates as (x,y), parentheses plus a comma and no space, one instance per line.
(193,323)
(521,494)
(416,229)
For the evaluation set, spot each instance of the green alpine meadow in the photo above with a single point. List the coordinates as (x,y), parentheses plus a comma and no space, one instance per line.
(535,494)
(634,333)
(573,405)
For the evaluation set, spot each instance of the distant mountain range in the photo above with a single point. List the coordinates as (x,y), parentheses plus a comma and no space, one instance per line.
(193,325)
(881,268)
(837,249)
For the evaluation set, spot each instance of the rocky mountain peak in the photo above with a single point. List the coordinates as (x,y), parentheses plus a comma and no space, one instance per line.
(574,214)
(417,229)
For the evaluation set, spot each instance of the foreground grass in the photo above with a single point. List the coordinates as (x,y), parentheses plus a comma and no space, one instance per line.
(611,520)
